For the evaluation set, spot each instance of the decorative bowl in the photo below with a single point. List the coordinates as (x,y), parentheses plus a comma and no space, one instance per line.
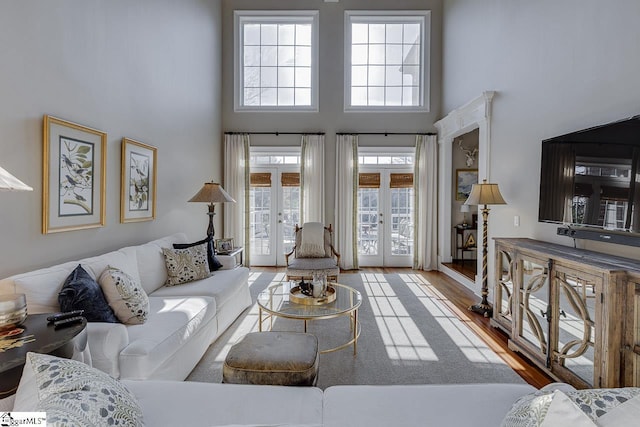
(13,310)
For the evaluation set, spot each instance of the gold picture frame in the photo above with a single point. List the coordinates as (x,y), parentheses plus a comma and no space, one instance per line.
(465,178)
(74,159)
(137,181)
(224,245)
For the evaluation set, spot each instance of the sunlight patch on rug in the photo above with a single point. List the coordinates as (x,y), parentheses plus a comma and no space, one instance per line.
(474,349)
(401,336)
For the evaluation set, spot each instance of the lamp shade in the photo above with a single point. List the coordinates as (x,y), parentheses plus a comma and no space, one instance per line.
(465,208)
(9,182)
(212,192)
(485,194)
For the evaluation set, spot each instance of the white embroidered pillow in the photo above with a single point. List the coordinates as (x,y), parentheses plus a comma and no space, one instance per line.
(125,296)
(186,265)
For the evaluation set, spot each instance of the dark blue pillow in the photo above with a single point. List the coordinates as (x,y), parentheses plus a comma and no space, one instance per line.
(81,292)
(214,264)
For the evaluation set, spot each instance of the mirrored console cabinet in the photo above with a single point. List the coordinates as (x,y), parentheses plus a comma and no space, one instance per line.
(572,312)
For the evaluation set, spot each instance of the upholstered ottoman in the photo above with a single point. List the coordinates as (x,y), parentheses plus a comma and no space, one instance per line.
(273,358)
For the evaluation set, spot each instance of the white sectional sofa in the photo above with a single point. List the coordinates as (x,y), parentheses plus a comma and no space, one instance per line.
(183,320)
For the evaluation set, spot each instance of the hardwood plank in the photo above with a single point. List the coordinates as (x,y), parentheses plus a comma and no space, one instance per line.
(459,298)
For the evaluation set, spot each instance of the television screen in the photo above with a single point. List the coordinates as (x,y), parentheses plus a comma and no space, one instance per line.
(590,177)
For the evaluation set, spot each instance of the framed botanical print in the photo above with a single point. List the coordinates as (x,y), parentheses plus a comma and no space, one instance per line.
(465,178)
(137,181)
(73,176)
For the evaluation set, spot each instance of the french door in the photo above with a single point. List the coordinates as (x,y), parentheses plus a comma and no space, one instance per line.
(274,203)
(385,217)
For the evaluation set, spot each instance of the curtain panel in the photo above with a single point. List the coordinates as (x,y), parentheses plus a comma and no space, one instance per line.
(346,202)
(236,182)
(312,179)
(425,190)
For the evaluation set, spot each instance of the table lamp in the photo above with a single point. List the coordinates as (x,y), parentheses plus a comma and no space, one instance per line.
(464,209)
(212,192)
(484,194)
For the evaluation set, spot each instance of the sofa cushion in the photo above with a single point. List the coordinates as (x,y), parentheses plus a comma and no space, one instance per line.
(81,292)
(74,394)
(214,264)
(222,285)
(171,323)
(151,264)
(186,265)
(125,296)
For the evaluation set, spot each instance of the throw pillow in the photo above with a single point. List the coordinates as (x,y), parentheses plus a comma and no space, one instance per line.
(74,394)
(125,296)
(214,264)
(186,265)
(81,292)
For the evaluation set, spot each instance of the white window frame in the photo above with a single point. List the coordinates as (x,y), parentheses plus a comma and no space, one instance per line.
(277,16)
(389,17)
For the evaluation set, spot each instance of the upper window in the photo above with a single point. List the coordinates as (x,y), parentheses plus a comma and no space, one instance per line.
(386,57)
(276,60)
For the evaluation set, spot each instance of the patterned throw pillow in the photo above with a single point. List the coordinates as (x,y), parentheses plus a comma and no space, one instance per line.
(214,263)
(186,265)
(81,292)
(125,296)
(75,394)
(530,410)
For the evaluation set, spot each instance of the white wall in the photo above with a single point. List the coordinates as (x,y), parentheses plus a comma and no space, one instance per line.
(146,69)
(331,117)
(557,67)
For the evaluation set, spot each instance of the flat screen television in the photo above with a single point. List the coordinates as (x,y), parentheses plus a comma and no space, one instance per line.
(589,178)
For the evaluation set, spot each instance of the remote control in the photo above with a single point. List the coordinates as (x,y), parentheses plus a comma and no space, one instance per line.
(65,315)
(67,322)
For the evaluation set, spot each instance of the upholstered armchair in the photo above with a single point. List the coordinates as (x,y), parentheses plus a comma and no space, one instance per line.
(313,253)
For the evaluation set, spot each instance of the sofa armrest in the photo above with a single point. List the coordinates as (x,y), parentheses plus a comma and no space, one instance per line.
(106,342)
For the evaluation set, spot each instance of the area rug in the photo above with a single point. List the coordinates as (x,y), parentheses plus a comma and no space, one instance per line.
(409,335)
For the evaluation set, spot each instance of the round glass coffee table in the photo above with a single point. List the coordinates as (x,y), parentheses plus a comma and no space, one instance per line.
(276,302)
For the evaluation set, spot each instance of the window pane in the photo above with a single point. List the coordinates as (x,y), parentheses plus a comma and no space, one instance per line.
(303,96)
(359,75)
(359,33)
(376,33)
(285,96)
(303,77)
(268,56)
(393,96)
(286,34)
(394,33)
(303,56)
(269,34)
(251,76)
(285,55)
(269,96)
(376,75)
(410,95)
(376,54)
(252,55)
(411,33)
(376,96)
(359,96)
(394,54)
(359,54)
(252,96)
(285,77)
(394,76)
(303,34)
(410,75)
(410,54)
(252,34)
(269,77)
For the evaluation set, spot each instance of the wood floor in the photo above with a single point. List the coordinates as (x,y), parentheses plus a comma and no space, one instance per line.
(460,298)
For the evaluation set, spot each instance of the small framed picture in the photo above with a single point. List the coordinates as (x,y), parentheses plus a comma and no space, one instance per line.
(465,178)
(74,176)
(137,181)
(224,245)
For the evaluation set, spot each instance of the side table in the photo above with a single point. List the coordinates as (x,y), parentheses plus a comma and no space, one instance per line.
(39,337)
(231,259)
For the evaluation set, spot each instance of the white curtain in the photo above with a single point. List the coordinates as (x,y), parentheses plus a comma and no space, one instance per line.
(425,189)
(346,203)
(312,179)
(236,183)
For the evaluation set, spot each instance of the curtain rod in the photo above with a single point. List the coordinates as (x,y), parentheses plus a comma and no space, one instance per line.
(275,133)
(386,133)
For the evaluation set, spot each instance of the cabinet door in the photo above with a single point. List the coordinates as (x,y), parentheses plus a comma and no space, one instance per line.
(631,366)
(575,346)
(503,289)
(532,329)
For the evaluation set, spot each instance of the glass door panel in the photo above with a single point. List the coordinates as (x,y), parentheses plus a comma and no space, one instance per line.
(533,300)
(368,226)
(504,290)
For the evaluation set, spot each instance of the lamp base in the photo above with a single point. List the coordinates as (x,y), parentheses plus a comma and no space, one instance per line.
(485,309)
